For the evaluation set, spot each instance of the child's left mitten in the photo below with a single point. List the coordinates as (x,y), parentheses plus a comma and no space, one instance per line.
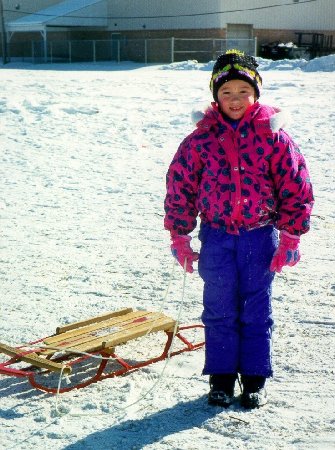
(287,253)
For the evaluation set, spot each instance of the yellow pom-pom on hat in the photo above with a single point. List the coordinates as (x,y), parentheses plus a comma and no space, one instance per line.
(234,50)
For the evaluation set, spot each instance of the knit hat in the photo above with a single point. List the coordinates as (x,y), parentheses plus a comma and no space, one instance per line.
(235,65)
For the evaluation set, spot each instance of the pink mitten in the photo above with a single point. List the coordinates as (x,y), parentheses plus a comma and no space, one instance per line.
(181,250)
(287,253)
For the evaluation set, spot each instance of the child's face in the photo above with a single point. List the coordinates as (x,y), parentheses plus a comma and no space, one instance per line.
(235,97)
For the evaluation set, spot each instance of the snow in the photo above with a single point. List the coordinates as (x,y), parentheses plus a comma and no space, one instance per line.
(321,64)
(84,152)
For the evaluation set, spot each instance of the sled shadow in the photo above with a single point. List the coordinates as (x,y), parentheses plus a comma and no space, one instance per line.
(18,388)
(136,434)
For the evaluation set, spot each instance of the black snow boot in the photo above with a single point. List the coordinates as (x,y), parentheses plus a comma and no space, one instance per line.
(254,394)
(221,389)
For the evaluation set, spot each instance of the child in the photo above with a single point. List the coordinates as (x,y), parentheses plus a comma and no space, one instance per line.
(247,179)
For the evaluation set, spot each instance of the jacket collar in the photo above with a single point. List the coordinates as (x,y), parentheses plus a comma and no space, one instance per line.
(265,119)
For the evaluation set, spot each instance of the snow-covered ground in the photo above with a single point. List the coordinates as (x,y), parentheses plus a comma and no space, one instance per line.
(84,152)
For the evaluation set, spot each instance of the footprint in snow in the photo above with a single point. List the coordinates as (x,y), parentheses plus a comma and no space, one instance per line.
(87,111)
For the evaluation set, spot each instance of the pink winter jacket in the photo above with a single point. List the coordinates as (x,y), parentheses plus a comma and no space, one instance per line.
(248,178)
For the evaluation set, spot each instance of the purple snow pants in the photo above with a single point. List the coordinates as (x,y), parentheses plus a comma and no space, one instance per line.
(237,300)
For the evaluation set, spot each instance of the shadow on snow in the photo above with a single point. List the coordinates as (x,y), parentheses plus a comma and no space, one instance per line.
(135,434)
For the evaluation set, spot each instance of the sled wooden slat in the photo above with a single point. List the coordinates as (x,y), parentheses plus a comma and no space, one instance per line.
(81,339)
(34,359)
(129,332)
(93,337)
(96,319)
(125,335)
(162,324)
(80,331)
(123,331)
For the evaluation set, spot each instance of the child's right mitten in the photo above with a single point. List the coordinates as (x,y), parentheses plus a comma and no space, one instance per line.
(287,253)
(181,250)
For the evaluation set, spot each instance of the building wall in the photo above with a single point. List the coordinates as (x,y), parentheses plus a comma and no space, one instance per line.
(184,14)
(14,9)
(262,35)
(270,35)
(176,33)
(135,19)
(147,19)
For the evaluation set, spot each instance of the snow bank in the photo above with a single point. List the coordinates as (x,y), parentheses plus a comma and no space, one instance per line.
(322,64)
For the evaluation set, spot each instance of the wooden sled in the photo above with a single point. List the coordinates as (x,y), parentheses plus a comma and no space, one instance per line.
(85,350)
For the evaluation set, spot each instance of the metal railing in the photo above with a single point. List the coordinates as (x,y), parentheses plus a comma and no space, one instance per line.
(138,50)
(210,49)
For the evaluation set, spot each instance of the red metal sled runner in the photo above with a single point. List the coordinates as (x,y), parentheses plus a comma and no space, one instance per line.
(95,341)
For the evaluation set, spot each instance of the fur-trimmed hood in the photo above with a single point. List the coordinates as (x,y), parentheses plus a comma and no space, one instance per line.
(266,118)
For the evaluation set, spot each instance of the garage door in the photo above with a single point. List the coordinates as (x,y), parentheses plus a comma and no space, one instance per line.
(240,36)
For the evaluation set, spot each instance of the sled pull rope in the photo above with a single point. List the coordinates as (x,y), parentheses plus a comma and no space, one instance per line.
(153,387)
(161,375)
(59,386)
